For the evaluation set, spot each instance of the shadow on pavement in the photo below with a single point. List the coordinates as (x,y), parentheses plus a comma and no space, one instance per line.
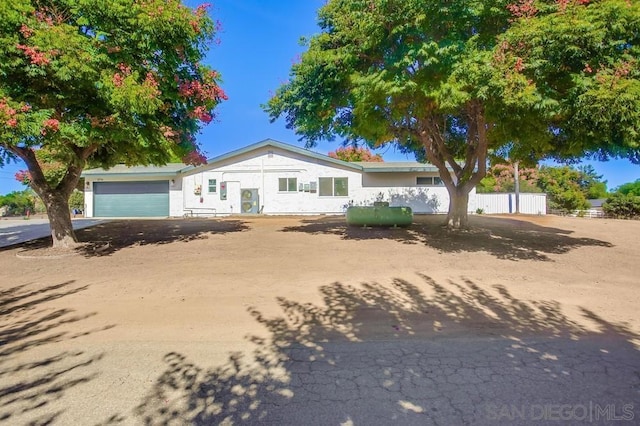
(431,353)
(33,375)
(109,237)
(503,238)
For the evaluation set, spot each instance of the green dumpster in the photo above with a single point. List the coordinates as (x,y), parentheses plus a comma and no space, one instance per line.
(379,215)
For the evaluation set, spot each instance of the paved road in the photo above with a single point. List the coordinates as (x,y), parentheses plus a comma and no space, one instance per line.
(450,381)
(16,231)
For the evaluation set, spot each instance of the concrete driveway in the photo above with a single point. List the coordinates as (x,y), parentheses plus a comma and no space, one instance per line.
(16,231)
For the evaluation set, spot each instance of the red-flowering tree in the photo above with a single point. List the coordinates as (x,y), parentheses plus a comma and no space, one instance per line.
(355,154)
(100,83)
(501,178)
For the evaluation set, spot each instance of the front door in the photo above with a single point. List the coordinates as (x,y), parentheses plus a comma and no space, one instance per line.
(249,201)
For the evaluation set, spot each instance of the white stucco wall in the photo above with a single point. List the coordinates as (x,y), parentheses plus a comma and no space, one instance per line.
(262,168)
(175,197)
(88,198)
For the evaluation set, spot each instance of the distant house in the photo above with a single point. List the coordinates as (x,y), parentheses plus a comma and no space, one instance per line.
(267,177)
(595,209)
(597,203)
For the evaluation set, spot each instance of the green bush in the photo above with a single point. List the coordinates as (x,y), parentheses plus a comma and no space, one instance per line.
(76,200)
(622,206)
(18,202)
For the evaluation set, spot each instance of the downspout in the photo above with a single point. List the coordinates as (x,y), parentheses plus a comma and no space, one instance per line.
(262,196)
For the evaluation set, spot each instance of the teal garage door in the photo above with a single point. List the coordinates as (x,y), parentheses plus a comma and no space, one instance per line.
(131,199)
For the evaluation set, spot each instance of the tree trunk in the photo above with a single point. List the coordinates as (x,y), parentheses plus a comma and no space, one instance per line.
(458,216)
(459,179)
(59,219)
(56,198)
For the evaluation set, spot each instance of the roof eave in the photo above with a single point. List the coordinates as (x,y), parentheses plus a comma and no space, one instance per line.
(400,170)
(168,175)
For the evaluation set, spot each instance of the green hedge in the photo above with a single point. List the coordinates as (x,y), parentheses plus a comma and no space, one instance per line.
(622,206)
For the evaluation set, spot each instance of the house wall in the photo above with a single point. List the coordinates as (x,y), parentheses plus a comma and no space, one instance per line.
(175,197)
(261,169)
(400,189)
(88,198)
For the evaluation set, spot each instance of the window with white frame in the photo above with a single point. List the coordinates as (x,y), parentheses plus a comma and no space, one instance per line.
(288,184)
(428,181)
(213,186)
(334,187)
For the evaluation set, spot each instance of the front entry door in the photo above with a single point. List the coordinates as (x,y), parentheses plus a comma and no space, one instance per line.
(249,201)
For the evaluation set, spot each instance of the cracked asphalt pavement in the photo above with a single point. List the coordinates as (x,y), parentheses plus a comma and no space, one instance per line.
(450,380)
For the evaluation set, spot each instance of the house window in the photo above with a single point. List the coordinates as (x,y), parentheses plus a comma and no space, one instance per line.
(288,184)
(334,187)
(213,186)
(428,180)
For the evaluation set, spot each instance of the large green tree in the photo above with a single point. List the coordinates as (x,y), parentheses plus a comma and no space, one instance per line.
(591,183)
(451,80)
(630,188)
(562,186)
(92,82)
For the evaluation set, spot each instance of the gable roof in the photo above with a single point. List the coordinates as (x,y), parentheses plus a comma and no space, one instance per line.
(175,169)
(280,145)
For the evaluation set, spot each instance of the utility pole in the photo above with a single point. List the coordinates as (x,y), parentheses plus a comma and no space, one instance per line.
(517,185)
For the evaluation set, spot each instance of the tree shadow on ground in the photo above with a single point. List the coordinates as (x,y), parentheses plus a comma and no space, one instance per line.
(503,238)
(433,353)
(107,238)
(32,374)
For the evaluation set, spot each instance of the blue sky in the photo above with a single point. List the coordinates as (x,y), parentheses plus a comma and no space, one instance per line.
(259,42)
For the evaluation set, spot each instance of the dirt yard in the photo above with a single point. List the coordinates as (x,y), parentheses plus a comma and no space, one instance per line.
(88,339)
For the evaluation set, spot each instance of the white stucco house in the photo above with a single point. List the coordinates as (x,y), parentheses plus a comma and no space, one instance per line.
(267,177)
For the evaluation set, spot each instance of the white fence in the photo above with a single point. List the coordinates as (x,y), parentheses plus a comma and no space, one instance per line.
(591,213)
(497,203)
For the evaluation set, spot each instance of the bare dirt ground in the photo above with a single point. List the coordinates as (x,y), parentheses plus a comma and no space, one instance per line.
(201,321)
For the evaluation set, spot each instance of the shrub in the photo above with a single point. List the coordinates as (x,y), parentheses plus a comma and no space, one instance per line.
(18,202)
(76,200)
(622,206)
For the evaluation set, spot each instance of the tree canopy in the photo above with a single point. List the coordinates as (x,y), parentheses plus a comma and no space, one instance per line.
(99,83)
(562,185)
(630,188)
(572,74)
(451,80)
